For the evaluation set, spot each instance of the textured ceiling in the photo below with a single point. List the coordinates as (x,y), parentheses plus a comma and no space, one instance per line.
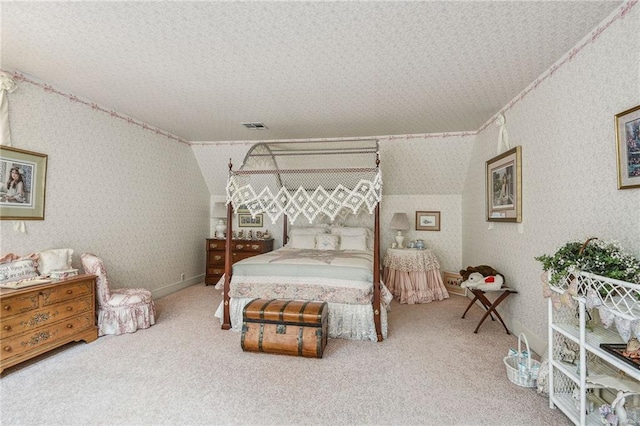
(305,69)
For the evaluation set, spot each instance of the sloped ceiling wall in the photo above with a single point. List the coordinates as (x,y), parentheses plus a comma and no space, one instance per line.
(410,165)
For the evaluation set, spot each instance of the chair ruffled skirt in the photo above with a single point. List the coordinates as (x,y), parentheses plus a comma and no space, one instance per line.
(129,309)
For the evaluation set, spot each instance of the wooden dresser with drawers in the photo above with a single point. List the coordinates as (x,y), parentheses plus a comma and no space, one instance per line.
(39,318)
(242,249)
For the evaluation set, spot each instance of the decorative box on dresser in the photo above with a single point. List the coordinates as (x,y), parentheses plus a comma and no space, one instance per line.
(242,249)
(42,317)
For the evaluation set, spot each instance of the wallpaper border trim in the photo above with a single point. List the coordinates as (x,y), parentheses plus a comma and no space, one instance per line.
(18,76)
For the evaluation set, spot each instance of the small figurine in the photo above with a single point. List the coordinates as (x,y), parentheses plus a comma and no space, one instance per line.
(567,355)
(250,235)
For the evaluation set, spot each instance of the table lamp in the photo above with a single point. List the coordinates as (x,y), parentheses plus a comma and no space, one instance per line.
(400,222)
(220,212)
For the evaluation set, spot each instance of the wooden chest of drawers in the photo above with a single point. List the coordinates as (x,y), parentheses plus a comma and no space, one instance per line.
(241,250)
(36,319)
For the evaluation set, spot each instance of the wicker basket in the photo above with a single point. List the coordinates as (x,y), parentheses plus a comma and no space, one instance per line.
(521,369)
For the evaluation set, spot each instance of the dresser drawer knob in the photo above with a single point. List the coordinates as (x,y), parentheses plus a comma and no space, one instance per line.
(69,291)
(69,325)
(213,246)
(69,308)
(255,246)
(7,328)
(217,257)
(7,348)
(7,307)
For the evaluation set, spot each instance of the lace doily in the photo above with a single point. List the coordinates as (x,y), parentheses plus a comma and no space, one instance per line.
(409,260)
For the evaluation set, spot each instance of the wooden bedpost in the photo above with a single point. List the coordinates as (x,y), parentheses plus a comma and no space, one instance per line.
(284,229)
(376,268)
(226,318)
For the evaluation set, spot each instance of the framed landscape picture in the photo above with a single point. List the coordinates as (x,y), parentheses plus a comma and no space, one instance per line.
(22,184)
(504,187)
(628,148)
(452,282)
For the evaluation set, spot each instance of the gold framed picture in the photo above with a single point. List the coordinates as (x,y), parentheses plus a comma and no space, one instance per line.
(504,187)
(452,282)
(628,148)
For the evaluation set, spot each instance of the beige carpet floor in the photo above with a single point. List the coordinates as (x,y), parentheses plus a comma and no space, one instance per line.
(185,370)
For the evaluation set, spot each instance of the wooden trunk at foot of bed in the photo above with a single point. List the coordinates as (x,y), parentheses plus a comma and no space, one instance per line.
(288,327)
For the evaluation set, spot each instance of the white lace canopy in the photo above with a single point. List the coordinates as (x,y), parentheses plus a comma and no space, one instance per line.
(331,178)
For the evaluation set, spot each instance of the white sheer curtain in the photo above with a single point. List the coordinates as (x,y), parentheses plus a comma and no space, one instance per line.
(7,85)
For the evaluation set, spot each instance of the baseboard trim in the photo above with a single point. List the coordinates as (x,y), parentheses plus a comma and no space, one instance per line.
(536,344)
(172,288)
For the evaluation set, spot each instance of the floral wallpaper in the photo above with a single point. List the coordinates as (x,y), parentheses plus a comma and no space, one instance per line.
(569,187)
(128,195)
(143,202)
(418,174)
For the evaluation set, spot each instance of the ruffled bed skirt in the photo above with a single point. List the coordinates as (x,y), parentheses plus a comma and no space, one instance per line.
(353,322)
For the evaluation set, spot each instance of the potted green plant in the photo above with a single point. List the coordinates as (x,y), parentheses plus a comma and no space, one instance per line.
(605,258)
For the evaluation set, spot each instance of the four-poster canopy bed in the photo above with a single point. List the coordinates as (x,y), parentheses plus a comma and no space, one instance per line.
(321,183)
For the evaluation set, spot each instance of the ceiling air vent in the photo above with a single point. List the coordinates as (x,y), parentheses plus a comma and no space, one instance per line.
(255,126)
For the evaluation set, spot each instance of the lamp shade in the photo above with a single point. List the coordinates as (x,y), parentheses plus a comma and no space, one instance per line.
(400,222)
(219,210)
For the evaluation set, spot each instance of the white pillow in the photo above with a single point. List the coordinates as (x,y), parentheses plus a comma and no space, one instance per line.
(303,241)
(327,242)
(349,231)
(353,242)
(308,231)
(17,270)
(54,259)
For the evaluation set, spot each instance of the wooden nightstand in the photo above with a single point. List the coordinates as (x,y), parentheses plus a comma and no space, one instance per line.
(241,249)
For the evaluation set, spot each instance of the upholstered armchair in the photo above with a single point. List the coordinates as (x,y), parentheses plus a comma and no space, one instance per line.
(122,310)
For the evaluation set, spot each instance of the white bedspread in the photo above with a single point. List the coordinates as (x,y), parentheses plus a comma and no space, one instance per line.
(342,278)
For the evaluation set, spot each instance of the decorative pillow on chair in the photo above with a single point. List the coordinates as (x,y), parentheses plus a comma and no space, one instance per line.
(54,259)
(326,242)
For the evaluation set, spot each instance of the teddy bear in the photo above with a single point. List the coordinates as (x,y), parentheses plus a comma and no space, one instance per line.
(485,270)
(482,277)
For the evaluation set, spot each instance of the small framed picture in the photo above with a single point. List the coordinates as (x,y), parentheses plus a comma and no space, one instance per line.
(504,187)
(628,148)
(427,221)
(245,220)
(452,282)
